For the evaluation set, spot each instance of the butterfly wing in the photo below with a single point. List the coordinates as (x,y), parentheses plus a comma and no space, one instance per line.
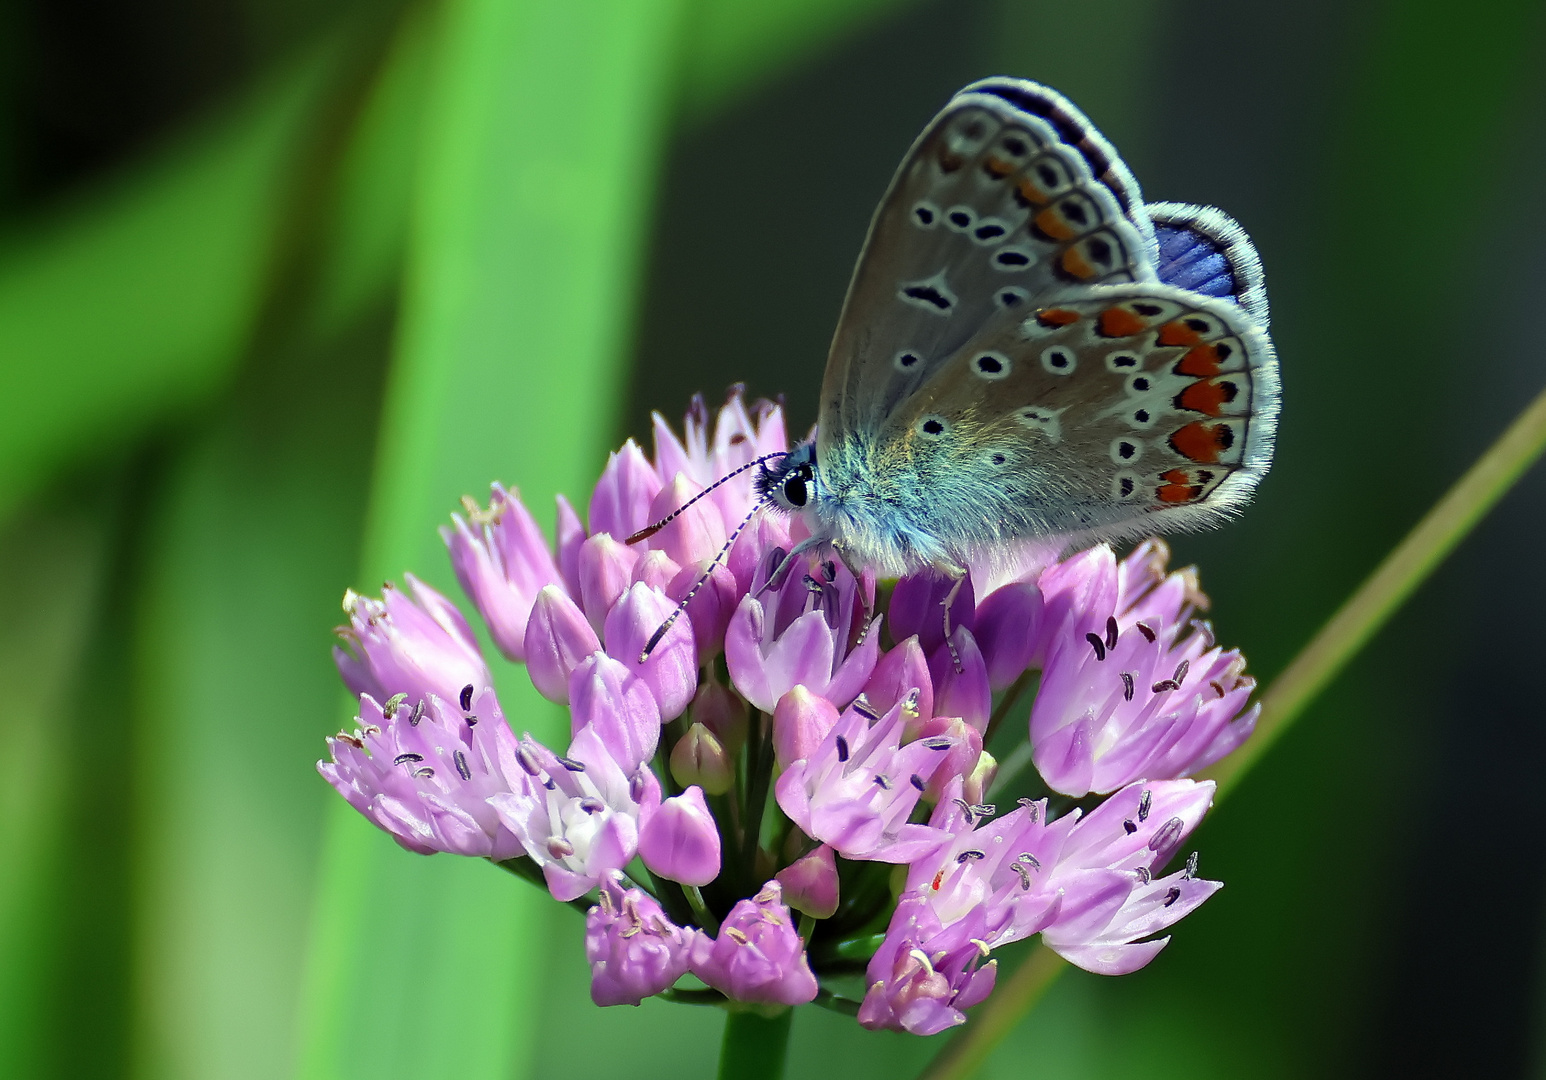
(1121,411)
(1202,250)
(1010,197)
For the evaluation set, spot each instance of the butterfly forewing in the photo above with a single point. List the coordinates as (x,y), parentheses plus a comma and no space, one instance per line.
(996,209)
(1125,410)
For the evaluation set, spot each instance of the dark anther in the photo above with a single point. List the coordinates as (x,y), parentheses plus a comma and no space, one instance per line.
(472,721)
(1127,686)
(812,585)
(400,758)
(1181,669)
(1144,876)
(1172,896)
(423,772)
(550,784)
(466,697)
(971,855)
(528,762)
(985,810)
(393,703)
(592,805)
(917,781)
(1128,827)
(882,781)
(1147,631)
(418,713)
(1191,867)
(1164,686)
(829,570)
(1145,804)
(863,708)
(1167,834)
(571,764)
(938,744)
(1217,689)
(966,809)
(1097,644)
(1032,811)
(461,765)
(842,748)
(1025,876)
(1028,858)
(1111,631)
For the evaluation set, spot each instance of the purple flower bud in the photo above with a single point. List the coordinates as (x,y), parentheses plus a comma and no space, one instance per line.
(963,693)
(620,504)
(502,561)
(606,570)
(671,671)
(557,639)
(711,608)
(801,720)
(810,884)
(656,570)
(1008,630)
(758,957)
(812,650)
(957,762)
(918,607)
(699,758)
(571,534)
(633,949)
(419,646)
(766,533)
(857,790)
(697,533)
(722,711)
(900,672)
(680,841)
(578,815)
(424,775)
(617,705)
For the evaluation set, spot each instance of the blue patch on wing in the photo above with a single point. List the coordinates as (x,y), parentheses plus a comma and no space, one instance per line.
(1190,260)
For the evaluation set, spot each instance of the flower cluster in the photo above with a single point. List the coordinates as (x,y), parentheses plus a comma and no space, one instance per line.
(739,790)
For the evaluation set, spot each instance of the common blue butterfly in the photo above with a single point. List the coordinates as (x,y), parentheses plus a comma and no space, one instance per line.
(1030,352)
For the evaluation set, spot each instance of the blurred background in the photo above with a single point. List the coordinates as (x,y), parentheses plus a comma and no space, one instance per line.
(279,281)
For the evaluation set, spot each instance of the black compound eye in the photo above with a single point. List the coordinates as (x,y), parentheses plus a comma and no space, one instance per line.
(794,490)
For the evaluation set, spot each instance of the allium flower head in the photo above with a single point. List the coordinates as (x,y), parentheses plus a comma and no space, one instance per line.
(783,738)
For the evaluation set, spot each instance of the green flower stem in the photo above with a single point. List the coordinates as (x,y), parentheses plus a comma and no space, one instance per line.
(1338,641)
(700,910)
(755,1046)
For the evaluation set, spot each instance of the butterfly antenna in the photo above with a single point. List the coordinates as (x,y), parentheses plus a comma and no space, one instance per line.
(650,530)
(662,629)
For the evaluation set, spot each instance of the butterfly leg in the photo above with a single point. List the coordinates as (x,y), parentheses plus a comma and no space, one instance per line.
(957,575)
(865,596)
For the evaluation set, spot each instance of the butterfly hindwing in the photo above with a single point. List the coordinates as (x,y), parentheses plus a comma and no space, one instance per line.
(1202,250)
(1008,199)
(1126,410)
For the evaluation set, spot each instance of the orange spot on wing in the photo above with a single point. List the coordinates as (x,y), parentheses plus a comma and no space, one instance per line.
(1178,493)
(1057,317)
(1076,264)
(1201,362)
(1207,396)
(1178,333)
(1051,222)
(997,168)
(1119,322)
(949,161)
(1031,193)
(1203,442)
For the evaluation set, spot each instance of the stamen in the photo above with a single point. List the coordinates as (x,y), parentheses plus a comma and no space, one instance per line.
(1097,644)
(1145,804)
(418,713)
(1148,632)
(842,748)
(917,782)
(472,721)
(571,764)
(982,946)
(527,761)
(938,743)
(1127,686)
(737,936)
(393,703)
(1128,826)
(863,707)
(985,810)
(1164,686)
(461,765)
(971,855)
(1032,810)
(885,784)
(1144,877)
(1167,834)
(922,958)
(1191,867)
(423,773)
(592,805)
(1217,689)
(401,758)
(1111,631)
(1181,669)
(559,848)
(1029,859)
(966,811)
(1025,875)
(467,697)
(1172,896)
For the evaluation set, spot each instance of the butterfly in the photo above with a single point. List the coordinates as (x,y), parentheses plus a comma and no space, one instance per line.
(1028,353)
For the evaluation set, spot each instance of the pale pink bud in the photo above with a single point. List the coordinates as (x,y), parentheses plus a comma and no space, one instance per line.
(557,639)
(810,884)
(679,841)
(801,720)
(699,758)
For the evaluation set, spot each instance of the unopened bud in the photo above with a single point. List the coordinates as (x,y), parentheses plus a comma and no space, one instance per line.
(974,789)
(800,721)
(810,884)
(722,711)
(700,758)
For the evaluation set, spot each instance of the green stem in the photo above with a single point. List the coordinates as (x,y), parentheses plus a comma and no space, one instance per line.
(1011,696)
(1338,641)
(755,1046)
(759,764)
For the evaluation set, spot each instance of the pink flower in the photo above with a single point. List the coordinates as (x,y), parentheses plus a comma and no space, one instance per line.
(417,645)
(633,949)
(757,957)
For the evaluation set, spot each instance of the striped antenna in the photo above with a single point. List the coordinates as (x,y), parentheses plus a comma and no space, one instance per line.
(650,530)
(662,629)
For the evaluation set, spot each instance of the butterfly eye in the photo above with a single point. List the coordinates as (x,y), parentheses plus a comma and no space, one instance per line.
(795,493)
